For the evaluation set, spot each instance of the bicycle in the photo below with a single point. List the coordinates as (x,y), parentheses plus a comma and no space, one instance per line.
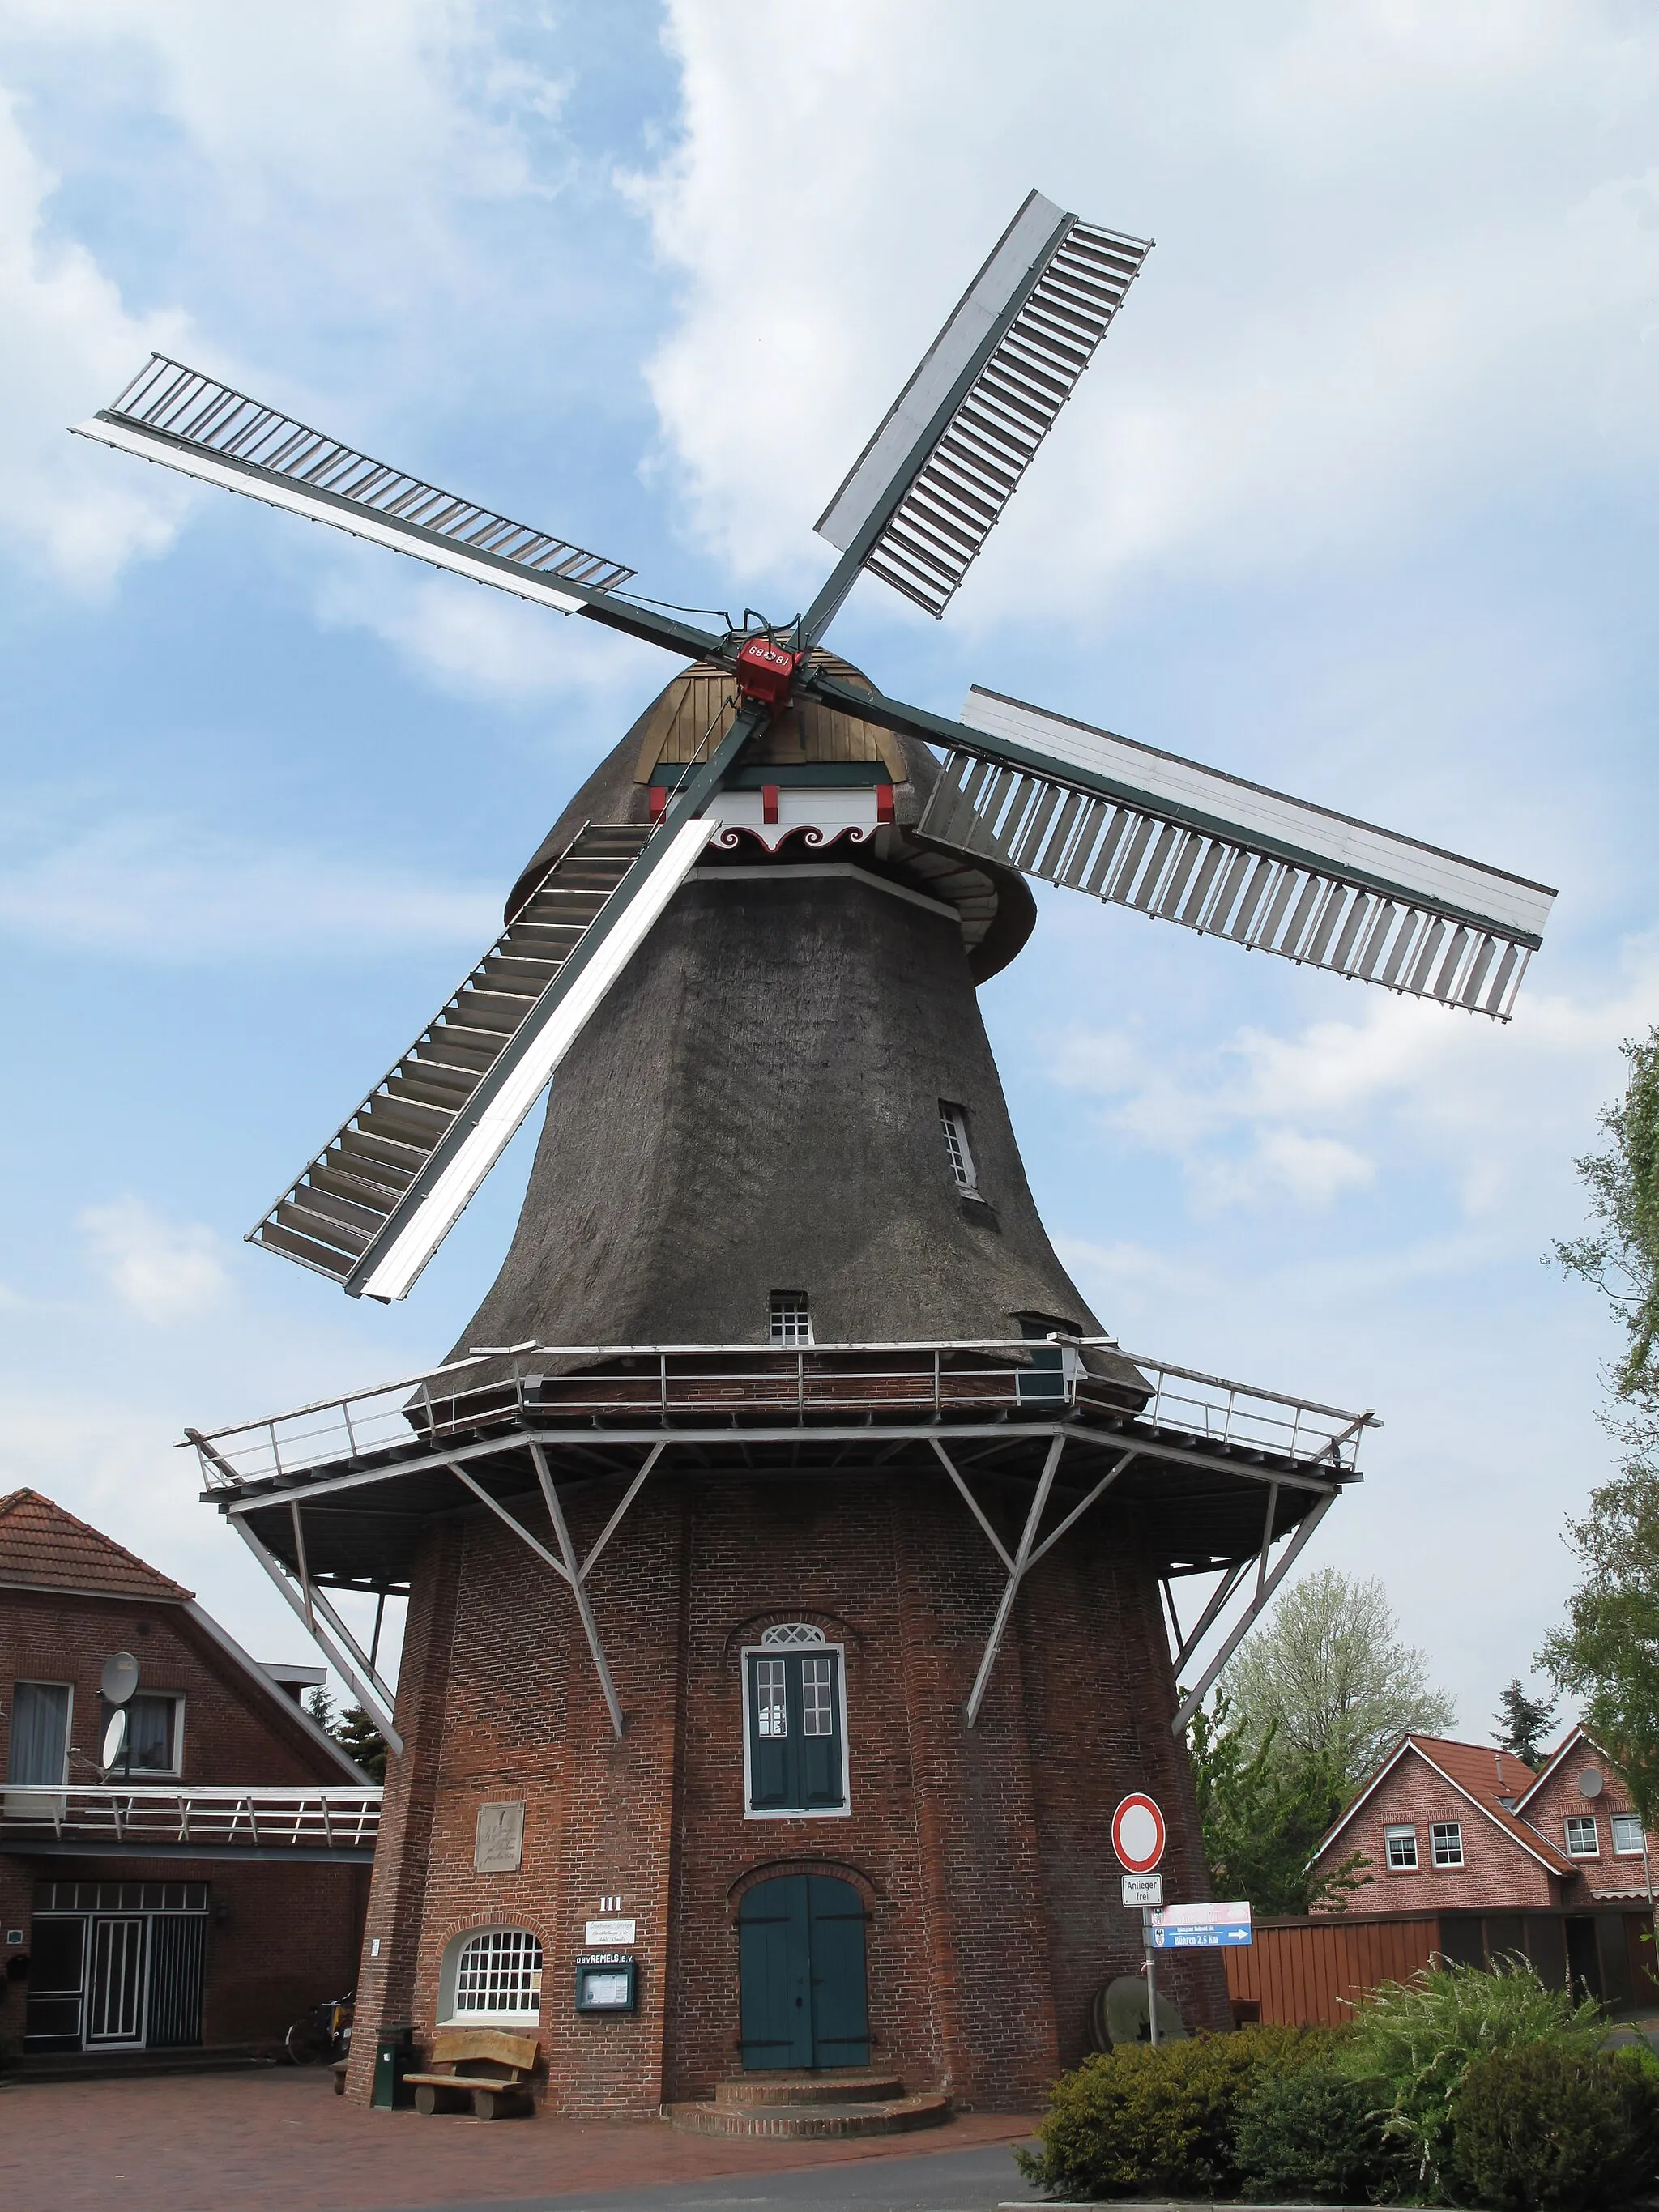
(323,2037)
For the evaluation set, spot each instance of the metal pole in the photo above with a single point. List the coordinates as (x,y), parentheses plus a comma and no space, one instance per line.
(1152,1975)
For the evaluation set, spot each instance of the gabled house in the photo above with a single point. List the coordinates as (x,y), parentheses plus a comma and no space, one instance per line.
(1470,1854)
(204,1880)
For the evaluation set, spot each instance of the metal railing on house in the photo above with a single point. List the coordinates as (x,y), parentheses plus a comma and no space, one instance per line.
(258,1818)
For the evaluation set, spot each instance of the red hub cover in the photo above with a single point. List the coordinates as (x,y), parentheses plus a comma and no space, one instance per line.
(766,670)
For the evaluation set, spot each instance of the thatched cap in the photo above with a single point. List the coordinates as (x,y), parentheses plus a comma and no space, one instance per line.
(687,719)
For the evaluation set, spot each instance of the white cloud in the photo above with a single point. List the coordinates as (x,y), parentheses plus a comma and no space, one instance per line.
(71,345)
(162,1271)
(148,888)
(1316,355)
(1259,1119)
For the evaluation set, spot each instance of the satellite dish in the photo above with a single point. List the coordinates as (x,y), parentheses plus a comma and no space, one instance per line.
(115,1737)
(1591,1781)
(1120,2015)
(119,1679)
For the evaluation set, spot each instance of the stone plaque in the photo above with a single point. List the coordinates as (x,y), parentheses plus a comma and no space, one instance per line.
(498,1843)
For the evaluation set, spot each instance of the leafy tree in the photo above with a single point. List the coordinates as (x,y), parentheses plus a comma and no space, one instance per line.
(357,1736)
(1524,1723)
(1329,1679)
(1621,1257)
(321,1706)
(1262,1817)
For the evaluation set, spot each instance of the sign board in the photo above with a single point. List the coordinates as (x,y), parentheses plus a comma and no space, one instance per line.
(1142,1889)
(1137,1833)
(607,1981)
(1201,1926)
(611,1931)
(498,1839)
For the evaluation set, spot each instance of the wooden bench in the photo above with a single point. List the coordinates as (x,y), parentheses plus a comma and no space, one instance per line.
(484,2068)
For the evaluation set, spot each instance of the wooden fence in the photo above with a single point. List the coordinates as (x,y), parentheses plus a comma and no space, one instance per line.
(1301,1972)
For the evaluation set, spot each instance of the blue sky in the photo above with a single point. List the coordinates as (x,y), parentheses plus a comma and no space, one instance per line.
(1358,498)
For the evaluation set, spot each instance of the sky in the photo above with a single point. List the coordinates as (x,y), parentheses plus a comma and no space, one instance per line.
(1358,499)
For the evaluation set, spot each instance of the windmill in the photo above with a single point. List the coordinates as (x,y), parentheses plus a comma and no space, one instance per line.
(780,1305)
(1060,800)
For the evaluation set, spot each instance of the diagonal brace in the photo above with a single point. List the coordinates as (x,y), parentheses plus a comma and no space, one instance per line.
(573,1575)
(1266,1585)
(1017,1569)
(378,1712)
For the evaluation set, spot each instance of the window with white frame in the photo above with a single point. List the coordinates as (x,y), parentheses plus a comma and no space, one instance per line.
(1628,1842)
(954,1122)
(496,1975)
(154,1728)
(795,1753)
(1446,1842)
(1400,1843)
(39,1748)
(1582,1842)
(790,1320)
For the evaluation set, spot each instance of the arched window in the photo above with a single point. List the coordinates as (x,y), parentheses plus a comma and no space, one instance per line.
(794,1730)
(490,1974)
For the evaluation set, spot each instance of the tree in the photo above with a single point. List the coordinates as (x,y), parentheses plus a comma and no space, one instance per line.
(1621,1258)
(1522,1723)
(358,1735)
(1330,1680)
(321,1706)
(1262,1819)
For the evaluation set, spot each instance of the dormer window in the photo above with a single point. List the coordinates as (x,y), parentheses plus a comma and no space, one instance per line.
(954,1122)
(791,1318)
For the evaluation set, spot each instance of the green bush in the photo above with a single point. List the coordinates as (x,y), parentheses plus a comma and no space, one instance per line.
(1557,2129)
(1139,2122)
(1418,2039)
(1316,2134)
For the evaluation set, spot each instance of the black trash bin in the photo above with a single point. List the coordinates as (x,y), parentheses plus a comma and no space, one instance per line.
(392,2059)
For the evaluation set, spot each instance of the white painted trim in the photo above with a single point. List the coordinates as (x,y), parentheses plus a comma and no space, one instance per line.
(840,1812)
(829,810)
(356,522)
(1250,810)
(449,1965)
(452,1192)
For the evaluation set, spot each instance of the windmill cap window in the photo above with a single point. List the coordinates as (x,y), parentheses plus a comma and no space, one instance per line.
(790,1320)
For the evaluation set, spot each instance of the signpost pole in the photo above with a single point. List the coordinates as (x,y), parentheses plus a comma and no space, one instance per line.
(1152,1974)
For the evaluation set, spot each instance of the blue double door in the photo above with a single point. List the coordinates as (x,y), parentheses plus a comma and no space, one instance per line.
(801,1960)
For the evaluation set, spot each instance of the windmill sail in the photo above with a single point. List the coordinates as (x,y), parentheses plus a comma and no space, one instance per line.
(1080,806)
(926,492)
(385,1190)
(185,421)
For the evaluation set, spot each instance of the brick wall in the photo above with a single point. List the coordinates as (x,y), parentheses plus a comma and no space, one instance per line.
(1496,1871)
(1561,1795)
(233,1731)
(983,1857)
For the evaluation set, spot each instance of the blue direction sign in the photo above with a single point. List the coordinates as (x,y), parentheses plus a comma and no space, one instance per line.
(1198,1926)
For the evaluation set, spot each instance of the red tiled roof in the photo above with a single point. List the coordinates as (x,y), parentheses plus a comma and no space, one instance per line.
(45,1547)
(1487,1775)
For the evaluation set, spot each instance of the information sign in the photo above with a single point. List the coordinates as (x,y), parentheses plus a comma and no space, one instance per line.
(1137,1833)
(1142,1889)
(1199,1927)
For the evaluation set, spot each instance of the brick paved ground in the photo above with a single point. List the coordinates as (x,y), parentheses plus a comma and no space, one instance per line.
(281,2142)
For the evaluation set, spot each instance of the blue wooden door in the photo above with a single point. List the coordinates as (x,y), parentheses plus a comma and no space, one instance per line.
(801,1961)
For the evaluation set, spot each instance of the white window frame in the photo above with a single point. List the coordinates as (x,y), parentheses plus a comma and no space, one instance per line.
(1393,1831)
(1582,1821)
(176,1700)
(1637,1850)
(29,1801)
(790,1302)
(449,1975)
(953,1124)
(797,1636)
(1436,1829)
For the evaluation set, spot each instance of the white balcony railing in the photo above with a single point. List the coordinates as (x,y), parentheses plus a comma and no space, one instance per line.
(160,1813)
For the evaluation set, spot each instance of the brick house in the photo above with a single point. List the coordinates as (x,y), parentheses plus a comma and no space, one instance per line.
(1472,1855)
(182,1896)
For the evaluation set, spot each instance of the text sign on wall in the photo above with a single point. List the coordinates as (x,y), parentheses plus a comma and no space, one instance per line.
(1142,1889)
(498,1839)
(1201,1926)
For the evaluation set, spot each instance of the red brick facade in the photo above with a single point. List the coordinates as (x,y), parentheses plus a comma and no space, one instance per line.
(983,1856)
(280,1938)
(1500,1866)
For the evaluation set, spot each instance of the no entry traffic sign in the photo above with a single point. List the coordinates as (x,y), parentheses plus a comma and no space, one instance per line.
(1137,1833)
